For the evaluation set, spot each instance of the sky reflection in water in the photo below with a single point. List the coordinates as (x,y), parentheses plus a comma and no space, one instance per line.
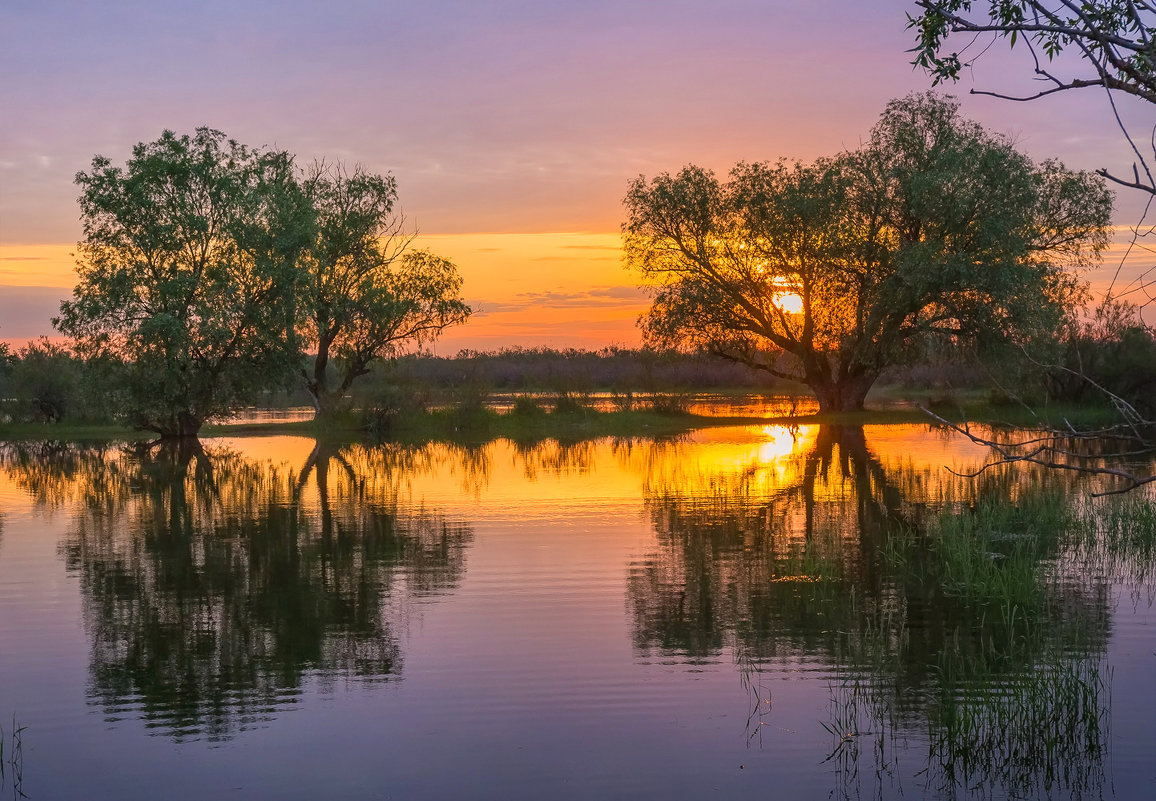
(744,609)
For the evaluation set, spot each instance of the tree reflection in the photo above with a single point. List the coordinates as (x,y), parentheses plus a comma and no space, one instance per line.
(831,555)
(216,585)
(738,544)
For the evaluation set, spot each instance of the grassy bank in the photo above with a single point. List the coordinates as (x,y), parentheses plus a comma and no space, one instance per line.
(535,418)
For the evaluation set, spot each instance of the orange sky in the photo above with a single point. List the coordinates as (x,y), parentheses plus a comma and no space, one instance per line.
(562,290)
(528,289)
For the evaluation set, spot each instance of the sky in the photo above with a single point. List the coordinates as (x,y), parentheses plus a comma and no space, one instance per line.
(513,127)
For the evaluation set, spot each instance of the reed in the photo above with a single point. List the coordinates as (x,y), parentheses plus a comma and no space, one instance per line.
(12,758)
(1042,727)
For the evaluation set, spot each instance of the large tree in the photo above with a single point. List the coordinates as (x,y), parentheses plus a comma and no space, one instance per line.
(827,273)
(186,275)
(364,293)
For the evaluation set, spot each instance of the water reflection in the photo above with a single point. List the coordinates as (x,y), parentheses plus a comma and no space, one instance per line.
(814,550)
(215,586)
(221,585)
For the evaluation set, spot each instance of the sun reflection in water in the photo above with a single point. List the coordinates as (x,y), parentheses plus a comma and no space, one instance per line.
(783,441)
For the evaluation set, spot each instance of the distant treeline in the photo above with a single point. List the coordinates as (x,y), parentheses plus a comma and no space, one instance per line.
(573,370)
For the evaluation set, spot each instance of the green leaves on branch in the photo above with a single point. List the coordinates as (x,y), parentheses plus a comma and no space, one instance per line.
(1107,43)
(365,294)
(1112,38)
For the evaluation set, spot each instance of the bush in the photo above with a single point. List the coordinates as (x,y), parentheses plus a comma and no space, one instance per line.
(1115,351)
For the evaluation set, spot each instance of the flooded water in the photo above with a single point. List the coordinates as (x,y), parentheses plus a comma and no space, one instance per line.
(745,612)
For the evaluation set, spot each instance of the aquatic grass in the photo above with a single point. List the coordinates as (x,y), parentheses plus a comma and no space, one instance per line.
(1002,717)
(623,400)
(527,406)
(859,712)
(12,758)
(993,554)
(1044,726)
(671,403)
(1116,538)
(571,403)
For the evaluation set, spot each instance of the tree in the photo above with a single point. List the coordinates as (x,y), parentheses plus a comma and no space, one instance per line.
(827,273)
(45,382)
(364,293)
(186,276)
(1114,39)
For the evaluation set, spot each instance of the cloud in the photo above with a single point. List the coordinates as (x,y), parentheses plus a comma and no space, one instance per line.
(627,297)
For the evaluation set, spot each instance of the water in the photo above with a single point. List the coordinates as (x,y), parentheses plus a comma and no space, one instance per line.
(724,615)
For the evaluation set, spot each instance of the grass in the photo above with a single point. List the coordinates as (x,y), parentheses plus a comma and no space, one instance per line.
(1116,537)
(1041,727)
(1014,697)
(73,432)
(12,759)
(569,415)
(991,558)
(1017,723)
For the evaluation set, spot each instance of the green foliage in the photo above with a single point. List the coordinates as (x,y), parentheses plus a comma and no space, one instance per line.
(364,295)
(1113,36)
(1108,43)
(1113,351)
(207,268)
(186,274)
(43,382)
(934,229)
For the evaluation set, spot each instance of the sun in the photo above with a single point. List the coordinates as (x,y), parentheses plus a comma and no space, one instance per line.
(789,302)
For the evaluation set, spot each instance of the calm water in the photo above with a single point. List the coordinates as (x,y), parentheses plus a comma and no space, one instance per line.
(722,616)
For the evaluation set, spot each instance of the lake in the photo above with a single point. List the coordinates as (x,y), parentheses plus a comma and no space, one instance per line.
(754,611)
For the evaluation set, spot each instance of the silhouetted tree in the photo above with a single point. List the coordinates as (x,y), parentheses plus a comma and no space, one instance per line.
(934,228)
(364,294)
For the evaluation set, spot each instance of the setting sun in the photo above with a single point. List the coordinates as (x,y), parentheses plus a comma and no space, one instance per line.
(789,302)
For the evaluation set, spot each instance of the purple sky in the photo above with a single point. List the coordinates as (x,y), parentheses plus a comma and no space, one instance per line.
(498,116)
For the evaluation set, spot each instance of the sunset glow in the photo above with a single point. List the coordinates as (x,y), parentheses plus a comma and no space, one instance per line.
(513,137)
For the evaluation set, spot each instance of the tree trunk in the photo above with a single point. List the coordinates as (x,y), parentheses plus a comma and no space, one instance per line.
(318,384)
(845,394)
(183,424)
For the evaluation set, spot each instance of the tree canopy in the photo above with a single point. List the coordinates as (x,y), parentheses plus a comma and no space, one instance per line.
(208,270)
(827,273)
(364,293)
(186,274)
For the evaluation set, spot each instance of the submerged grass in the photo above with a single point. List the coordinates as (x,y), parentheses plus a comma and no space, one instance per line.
(1040,727)
(1014,723)
(1016,703)
(997,552)
(1116,538)
(991,557)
